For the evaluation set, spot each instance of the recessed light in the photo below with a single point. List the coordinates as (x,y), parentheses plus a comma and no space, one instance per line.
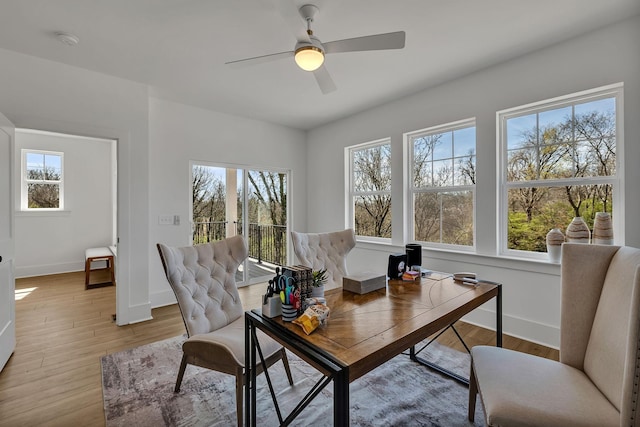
(67,38)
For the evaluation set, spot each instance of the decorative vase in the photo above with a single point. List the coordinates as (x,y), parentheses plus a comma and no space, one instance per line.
(578,231)
(602,229)
(555,239)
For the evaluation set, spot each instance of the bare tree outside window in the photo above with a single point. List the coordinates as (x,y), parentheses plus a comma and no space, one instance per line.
(443,176)
(208,204)
(42,179)
(219,201)
(371,190)
(560,163)
(268,209)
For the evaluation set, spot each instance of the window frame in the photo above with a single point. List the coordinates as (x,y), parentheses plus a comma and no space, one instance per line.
(24,181)
(411,191)
(611,91)
(351,193)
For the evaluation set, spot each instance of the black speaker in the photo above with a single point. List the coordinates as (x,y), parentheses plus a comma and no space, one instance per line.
(414,255)
(397,264)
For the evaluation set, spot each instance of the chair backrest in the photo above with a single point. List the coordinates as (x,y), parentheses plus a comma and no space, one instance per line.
(600,326)
(325,250)
(203,280)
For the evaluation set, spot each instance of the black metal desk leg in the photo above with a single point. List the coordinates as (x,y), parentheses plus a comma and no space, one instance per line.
(247,371)
(249,374)
(341,398)
(499,317)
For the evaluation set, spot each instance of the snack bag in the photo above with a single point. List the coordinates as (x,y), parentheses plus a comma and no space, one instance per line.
(312,318)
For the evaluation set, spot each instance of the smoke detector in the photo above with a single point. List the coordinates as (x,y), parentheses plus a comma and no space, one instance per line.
(67,38)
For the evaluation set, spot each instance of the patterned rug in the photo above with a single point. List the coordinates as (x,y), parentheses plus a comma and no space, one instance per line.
(138,391)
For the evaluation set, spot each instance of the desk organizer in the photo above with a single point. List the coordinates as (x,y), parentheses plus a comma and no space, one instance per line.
(273,307)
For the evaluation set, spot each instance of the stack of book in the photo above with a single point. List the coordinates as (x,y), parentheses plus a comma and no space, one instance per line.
(410,275)
(303,278)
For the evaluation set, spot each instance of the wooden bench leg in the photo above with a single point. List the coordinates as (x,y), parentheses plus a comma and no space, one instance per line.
(110,266)
(87,270)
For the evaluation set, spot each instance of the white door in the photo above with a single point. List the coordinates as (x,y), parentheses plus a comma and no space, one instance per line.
(7,280)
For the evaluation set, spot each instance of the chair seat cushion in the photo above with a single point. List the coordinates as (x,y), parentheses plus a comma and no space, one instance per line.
(521,390)
(225,346)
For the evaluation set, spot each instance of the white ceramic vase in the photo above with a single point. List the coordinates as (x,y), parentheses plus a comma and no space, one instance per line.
(555,239)
(317,291)
(578,231)
(602,229)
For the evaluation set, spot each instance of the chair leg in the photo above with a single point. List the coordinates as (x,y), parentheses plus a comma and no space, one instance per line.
(473,393)
(183,366)
(239,394)
(285,362)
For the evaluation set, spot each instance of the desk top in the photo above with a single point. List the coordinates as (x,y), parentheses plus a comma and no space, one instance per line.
(364,331)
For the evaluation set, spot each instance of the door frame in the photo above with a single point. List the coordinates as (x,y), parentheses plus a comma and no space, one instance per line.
(8,330)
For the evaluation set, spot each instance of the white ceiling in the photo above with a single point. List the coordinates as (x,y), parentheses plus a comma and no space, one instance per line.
(179,47)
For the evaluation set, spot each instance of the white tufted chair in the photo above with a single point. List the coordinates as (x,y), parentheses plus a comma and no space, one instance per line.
(325,250)
(203,280)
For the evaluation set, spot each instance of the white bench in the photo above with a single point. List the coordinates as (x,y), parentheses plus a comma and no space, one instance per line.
(98,254)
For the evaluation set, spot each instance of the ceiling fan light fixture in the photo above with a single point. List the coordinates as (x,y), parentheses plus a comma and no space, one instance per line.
(309,57)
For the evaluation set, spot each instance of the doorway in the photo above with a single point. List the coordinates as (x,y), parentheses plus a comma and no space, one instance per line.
(227,201)
(78,175)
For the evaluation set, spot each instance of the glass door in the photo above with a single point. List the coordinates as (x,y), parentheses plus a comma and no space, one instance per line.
(221,207)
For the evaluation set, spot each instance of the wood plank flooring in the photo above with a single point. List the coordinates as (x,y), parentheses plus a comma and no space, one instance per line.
(54,375)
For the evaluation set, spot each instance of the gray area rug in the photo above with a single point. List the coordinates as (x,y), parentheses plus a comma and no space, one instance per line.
(138,391)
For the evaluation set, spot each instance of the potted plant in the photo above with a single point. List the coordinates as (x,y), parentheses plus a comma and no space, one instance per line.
(319,277)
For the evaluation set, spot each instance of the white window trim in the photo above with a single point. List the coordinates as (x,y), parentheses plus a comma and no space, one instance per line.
(609,91)
(24,195)
(350,194)
(409,190)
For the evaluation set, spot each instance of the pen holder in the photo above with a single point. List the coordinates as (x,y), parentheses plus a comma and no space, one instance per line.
(289,312)
(273,307)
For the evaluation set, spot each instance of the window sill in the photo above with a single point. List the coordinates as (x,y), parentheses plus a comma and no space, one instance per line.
(512,263)
(41,214)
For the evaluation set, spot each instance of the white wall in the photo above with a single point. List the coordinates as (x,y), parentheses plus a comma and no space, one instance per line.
(40,94)
(54,242)
(531,289)
(178,134)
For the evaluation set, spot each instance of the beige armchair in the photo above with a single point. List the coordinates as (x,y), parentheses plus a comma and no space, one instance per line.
(325,250)
(203,280)
(596,381)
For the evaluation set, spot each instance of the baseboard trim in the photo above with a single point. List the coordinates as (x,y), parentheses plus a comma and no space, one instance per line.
(163,298)
(47,269)
(539,333)
(138,313)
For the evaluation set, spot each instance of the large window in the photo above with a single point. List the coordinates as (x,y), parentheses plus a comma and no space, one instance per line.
(442,168)
(370,189)
(42,180)
(558,161)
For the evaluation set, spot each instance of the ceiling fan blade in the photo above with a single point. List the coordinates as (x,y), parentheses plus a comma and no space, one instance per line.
(324,80)
(375,42)
(259,59)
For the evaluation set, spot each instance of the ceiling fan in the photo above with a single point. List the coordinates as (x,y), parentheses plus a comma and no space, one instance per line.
(309,52)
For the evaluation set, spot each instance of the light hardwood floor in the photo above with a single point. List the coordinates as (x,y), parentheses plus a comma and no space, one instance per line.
(54,375)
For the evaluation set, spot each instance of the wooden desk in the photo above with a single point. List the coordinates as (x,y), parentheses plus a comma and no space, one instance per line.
(365,331)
